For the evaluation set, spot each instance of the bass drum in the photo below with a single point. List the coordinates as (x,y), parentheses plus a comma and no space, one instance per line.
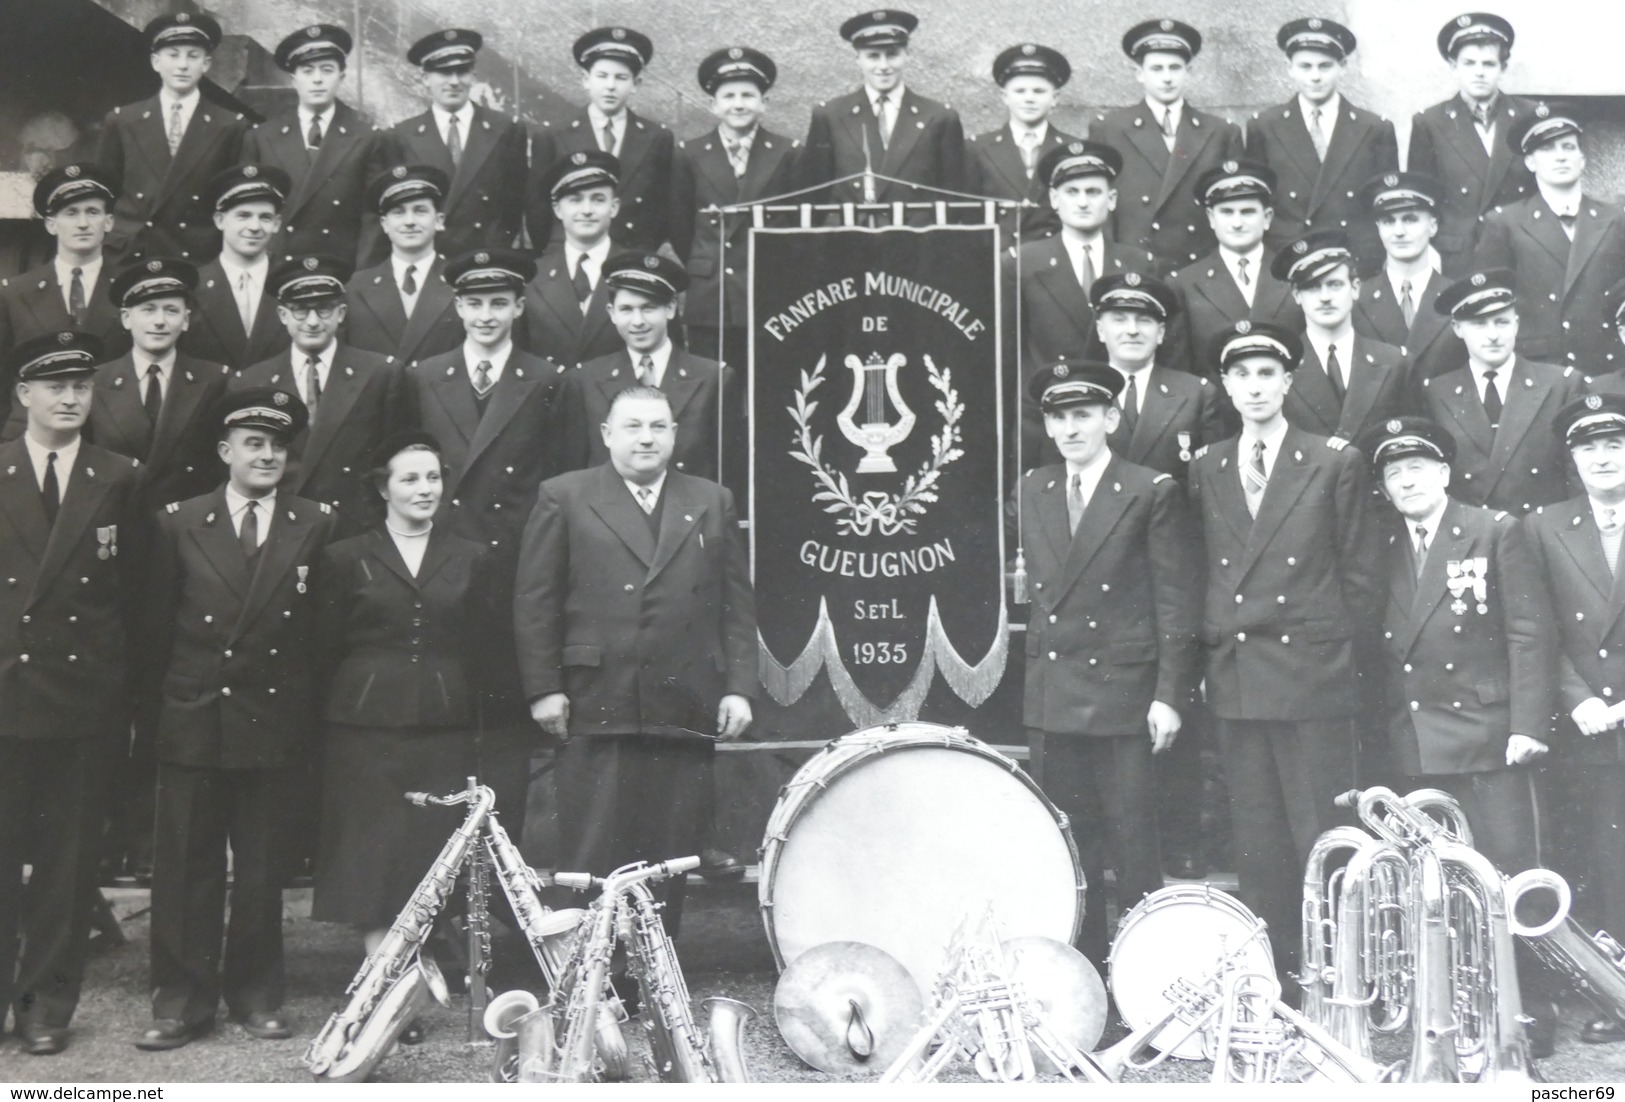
(1179,933)
(892,835)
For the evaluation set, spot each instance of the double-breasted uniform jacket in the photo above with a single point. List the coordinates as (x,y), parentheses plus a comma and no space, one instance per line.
(1463,675)
(1431,347)
(702,176)
(66,600)
(1157,205)
(359,408)
(1180,414)
(33,303)
(327,212)
(1115,605)
(1589,608)
(1445,145)
(644,181)
(554,326)
(1210,301)
(926,150)
(1056,318)
(1315,195)
(232,642)
(403,650)
(993,168)
(1521,465)
(645,633)
(690,383)
(485,205)
(178,459)
(215,330)
(1290,591)
(375,320)
(162,207)
(1562,314)
(1378,388)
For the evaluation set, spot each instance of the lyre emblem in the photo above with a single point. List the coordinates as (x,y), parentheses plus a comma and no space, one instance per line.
(872,383)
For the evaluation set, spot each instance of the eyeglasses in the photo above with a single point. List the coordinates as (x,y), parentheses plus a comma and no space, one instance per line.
(300,313)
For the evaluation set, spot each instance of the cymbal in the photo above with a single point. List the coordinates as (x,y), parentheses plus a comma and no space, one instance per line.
(1067,987)
(846,1007)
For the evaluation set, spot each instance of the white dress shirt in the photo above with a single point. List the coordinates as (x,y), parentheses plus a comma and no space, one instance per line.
(1328,114)
(496,359)
(1397,278)
(894,103)
(88,274)
(165,366)
(1503,377)
(1088,476)
(65,457)
(420,270)
(1158,110)
(617,125)
(656,486)
(1429,524)
(1075,247)
(1564,204)
(247,298)
(1272,448)
(596,256)
(465,122)
(661,357)
(166,104)
(1142,380)
(1323,344)
(237,506)
(324,367)
(326,121)
(1255,262)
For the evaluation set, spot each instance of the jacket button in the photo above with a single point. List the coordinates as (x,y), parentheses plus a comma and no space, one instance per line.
(1603,653)
(1241,636)
(27,619)
(1607,692)
(1281,600)
(208,619)
(1094,661)
(1091,625)
(75,620)
(1285,639)
(1238,598)
(1052,617)
(1291,560)
(228,654)
(628,587)
(1449,667)
(73,658)
(271,691)
(1052,656)
(1407,667)
(226,691)
(1104,588)
(1455,703)
(1224,562)
(1414,705)
(24,657)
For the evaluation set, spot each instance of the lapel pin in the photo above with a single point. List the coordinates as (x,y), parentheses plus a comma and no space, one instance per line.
(209,519)
(1117,487)
(90,472)
(349,371)
(1298,456)
(118,382)
(688,518)
(303,572)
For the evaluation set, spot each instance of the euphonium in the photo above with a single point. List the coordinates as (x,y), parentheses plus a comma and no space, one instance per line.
(501,1014)
(1433,1009)
(1321,891)
(395,984)
(1368,952)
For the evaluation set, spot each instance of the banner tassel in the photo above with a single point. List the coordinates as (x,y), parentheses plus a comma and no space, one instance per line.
(1018,579)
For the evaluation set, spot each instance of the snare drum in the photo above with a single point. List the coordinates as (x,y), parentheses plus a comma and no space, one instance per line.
(1182,932)
(893,834)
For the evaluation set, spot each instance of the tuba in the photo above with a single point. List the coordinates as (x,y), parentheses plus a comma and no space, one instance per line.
(1433,1009)
(1321,892)
(1368,966)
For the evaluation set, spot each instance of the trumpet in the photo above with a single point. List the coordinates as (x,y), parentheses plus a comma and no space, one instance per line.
(1260,1039)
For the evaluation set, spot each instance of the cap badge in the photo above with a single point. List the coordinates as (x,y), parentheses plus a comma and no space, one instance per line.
(735,53)
(399,172)
(651,262)
(877,16)
(1390,180)
(1315,24)
(1029,50)
(1061,371)
(72,171)
(1541,110)
(155,265)
(313,32)
(482,258)
(1300,247)
(310,263)
(280,398)
(618,34)
(1593,401)
(1132,278)
(1230,166)
(1464,20)
(1396,425)
(1478,279)
(64,339)
(1166,24)
(250,171)
(1244,326)
(578,158)
(1075,148)
(450,36)
(183,17)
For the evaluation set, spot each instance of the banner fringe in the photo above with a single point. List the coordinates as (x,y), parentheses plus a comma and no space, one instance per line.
(972,684)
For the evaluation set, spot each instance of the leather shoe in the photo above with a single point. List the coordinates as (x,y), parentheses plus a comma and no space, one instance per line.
(1600,1031)
(715,864)
(167,1033)
(1542,1031)
(267,1026)
(42,1040)
(1185,866)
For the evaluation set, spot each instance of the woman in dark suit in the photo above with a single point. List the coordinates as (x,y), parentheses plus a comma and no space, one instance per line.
(403,607)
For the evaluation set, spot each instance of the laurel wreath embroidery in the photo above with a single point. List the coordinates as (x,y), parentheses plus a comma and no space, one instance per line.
(889,513)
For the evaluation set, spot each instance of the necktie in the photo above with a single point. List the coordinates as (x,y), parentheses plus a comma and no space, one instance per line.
(1485,128)
(1492,399)
(245,308)
(76,296)
(1168,133)
(1086,269)
(313,385)
(1074,502)
(454,142)
(176,130)
(1334,371)
(606,137)
(1317,133)
(1241,272)
(738,154)
(581,281)
(1406,306)
(314,138)
(153,401)
(482,378)
(1568,224)
(409,280)
(50,491)
(1611,532)
(249,534)
(1131,411)
(646,498)
(1253,477)
(883,118)
(1421,547)
(646,370)
(1029,152)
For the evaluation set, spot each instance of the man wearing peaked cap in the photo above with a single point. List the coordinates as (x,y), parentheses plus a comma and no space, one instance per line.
(65,638)
(566,317)
(885,126)
(737,162)
(1499,404)
(1346,381)
(159,152)
(1396,304)
(1003,163)
(480,150)
(1566,247)
(1282,630)
(1462,141)
(230,672)
(403,306)
(235,319)
(1105,541)
(612,60)
(1167,145)
(1322,147)
(329,151)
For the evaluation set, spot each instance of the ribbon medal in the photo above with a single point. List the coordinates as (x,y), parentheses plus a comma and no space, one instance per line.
(1184,447)
(108,538)
(304,572)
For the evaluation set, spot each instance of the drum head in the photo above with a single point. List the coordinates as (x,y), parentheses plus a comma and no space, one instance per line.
(1178,933)
(901,844)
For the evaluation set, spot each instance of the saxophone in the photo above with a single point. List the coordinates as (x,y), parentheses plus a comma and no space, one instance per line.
(396,983)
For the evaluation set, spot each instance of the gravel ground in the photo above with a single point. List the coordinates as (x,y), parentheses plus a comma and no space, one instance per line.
(723,953)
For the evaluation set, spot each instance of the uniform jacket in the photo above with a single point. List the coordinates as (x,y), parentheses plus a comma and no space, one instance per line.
(994,169)
(329,460)
(1445,145)
(1157,205)
(401,650)
(233,646)
(1114,611)
(702,176)
(486,203)
(644,633)
(161,210)
(327,210)
(927,150)
(215,331)
(1289,592)
(1179,415)
(1056,318)
(1522,465)
(690,383)
(1587,606)
(178,458)
(1430,345)
(1562,317)
(66,605)
(33,303)
(645,180)
(554,326)
(1378,388)
(1210,301)
(1459,680)
(1312,195)
(375,320)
